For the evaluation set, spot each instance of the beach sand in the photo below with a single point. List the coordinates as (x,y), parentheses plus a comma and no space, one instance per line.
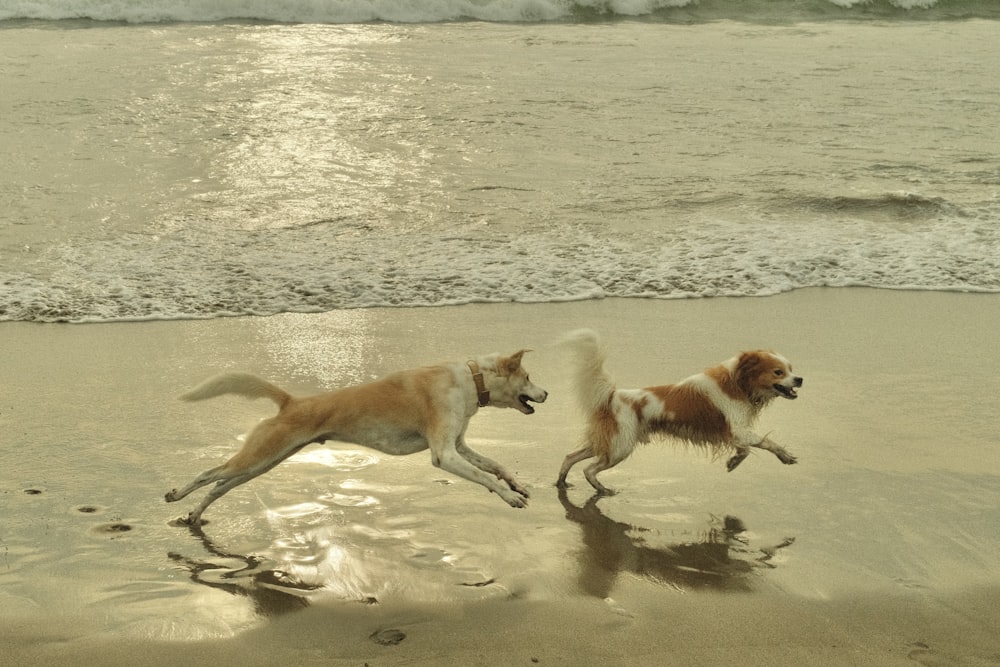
(879,548)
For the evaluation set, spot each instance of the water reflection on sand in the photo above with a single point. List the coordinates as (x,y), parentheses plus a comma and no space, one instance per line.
(270,590)
(341,556)
(721,557)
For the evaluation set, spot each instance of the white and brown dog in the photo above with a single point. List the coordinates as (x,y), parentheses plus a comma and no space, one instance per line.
(716,409)
(402,413)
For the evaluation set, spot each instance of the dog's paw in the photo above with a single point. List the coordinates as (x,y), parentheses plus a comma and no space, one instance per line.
(515,500)
(171,495)
(184,522)
(517,488)
(787,458)
(735,460)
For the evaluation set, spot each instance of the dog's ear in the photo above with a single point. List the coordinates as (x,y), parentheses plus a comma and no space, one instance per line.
(510,365)
(748,369)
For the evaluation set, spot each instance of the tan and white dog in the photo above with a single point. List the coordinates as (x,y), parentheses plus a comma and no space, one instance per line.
(715,409)
(402,413)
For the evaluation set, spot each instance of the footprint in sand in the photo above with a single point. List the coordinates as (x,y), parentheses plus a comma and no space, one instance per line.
(925,655)
(388,637)
(113,528)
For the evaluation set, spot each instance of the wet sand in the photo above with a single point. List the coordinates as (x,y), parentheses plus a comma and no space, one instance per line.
(879,547)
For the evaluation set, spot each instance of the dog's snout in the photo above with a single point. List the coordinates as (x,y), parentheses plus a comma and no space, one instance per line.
(798,381)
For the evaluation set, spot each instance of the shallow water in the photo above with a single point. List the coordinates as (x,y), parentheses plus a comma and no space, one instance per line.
(200,170)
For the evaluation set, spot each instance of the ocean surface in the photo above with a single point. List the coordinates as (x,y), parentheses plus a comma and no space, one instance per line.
(173,160)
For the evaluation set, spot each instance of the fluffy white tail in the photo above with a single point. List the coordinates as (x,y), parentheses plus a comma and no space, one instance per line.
(591,384)
(241,384)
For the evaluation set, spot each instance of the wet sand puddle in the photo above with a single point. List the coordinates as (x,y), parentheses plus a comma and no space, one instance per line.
(718,555)
(352,527)
(402,540)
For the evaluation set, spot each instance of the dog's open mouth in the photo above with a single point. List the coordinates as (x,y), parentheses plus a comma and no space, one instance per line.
(787,392)
(526,408)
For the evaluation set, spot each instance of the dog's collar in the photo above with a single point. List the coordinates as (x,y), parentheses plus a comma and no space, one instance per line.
(482,394)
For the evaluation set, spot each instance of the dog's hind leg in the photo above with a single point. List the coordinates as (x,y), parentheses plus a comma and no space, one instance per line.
(590,472)
(268,445)
(225,480)
(489,465)
(201,480)
(571,460)
(220,489)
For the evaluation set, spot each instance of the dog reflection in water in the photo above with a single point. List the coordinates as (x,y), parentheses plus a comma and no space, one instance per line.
(721,560)
(272,592)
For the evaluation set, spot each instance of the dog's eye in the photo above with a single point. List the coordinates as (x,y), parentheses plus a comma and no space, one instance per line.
(779,372)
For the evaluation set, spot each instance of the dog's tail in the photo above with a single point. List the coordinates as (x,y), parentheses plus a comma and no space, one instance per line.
(591,383)
(241,384)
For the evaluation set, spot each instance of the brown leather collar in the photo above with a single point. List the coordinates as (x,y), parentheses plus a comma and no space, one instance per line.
(483,395)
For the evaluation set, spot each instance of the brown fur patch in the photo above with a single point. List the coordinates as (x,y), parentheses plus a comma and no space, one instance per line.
(403,400)
(638,407)
(689,414)
(727,383)
(603,429)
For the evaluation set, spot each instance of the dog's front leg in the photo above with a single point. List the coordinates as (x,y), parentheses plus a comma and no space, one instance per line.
(444,455)
(783,455)
(748,440)
(737,459)
(489,465)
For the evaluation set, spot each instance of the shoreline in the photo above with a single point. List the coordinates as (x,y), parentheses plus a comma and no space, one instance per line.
(157,319)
